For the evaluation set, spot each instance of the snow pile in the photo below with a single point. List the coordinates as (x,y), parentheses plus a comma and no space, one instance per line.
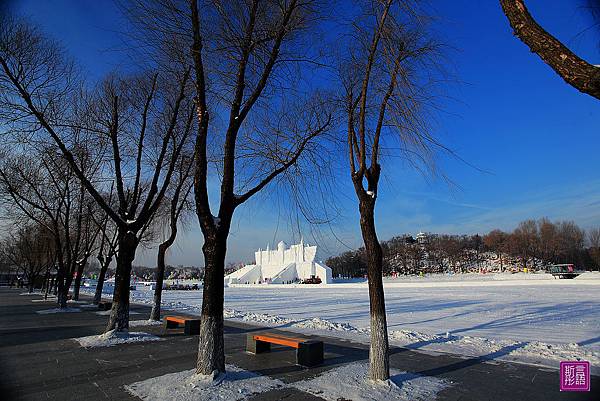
(236,384)
(538,352)
(407,337)
(350,382)
(314,323)
(113,337)
(256,317)
(107,312)
(317,323)
(89,306)
(50,299)
(74,302)
(137,323)
(57,310)
(588,276)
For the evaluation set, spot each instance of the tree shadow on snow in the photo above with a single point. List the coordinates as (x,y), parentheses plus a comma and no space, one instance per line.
(589,341)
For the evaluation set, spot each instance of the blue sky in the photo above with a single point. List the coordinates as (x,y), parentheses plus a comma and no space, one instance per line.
(510,115)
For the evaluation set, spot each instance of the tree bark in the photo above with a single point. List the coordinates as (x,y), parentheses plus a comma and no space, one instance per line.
(45,281)
(577,72)
(160,275)
(68,281)
(379,368)
(47,284)
(104,263)
(61,291)
(119,315)
(77,284)
(211,350)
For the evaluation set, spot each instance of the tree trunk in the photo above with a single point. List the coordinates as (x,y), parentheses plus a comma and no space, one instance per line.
(160,275)
(61,289)
(77,285)
(119,314)
(104,263)
(47,284)
(379,365)
(211,351)
(30,286)
(68,281)
(45,281)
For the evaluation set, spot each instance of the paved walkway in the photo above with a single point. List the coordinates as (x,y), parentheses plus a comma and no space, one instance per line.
(40,361)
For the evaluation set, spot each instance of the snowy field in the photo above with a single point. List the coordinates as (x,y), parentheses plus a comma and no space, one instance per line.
(530,319)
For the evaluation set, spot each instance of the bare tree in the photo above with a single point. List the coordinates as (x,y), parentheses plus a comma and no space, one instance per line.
(106,252)
(571,240)
(385,107)
(44,190)
(31,250)
(178,203)
(525,241)
(142,121)
(548,240)
(497,241)
(577,72)
(593,237)
(260,41)
(89,232)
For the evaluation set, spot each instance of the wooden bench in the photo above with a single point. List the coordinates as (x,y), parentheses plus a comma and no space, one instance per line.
(104,305)
(308,352)
(190,326)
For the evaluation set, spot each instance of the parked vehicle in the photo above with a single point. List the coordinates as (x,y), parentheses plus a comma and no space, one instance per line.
(566,270)
(183,287)
(312,280)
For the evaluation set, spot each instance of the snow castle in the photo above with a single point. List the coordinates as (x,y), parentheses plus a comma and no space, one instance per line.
(282,266)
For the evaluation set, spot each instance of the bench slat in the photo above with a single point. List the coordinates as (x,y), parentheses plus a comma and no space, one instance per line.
(281,336)
(178,319)
(280,340)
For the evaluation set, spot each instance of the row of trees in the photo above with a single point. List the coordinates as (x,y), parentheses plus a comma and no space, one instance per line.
(543,242)
(127,151)
(533,244)
(29,253)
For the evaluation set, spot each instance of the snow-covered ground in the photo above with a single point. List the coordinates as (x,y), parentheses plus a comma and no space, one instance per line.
(237,384)
(57,310)
(523,317)
(350,382)
(113,337)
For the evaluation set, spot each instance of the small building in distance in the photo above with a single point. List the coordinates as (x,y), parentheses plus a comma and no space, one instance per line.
(422,238)
(282,266)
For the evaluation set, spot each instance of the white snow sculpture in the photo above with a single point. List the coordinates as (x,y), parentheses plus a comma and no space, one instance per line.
(282,266)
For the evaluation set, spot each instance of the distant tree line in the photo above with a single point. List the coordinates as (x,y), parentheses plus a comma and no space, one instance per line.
(27,257)
(170,273)
(533,244)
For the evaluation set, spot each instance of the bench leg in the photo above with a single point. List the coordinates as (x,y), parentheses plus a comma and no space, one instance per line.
(256,347)
(192,327)
(310,353)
